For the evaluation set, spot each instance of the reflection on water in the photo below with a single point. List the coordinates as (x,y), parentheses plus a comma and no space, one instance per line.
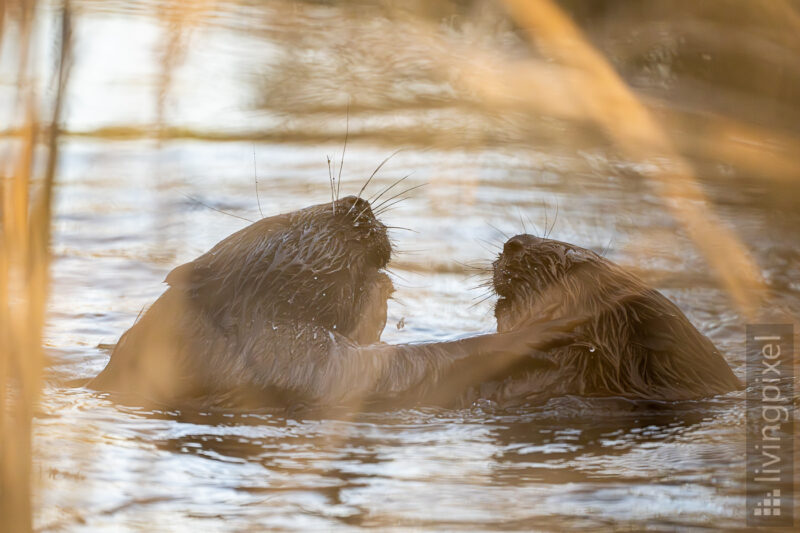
(282,74)
(572,462)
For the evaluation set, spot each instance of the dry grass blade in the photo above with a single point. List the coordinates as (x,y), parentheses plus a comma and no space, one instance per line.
(626,120)
(24,283)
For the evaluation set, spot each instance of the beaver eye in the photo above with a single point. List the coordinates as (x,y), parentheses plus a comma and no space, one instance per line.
(575,255)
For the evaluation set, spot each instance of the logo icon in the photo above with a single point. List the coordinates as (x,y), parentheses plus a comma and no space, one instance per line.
(770,506)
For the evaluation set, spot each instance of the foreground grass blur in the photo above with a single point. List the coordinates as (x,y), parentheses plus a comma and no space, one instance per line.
(26,198)
(702,86)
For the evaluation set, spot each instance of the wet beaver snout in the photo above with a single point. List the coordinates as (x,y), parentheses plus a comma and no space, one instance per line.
(355,213)
(512,261)
(531,270)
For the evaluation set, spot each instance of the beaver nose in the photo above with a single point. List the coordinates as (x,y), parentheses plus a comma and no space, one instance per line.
(515,245)
(354,204)
(512,247)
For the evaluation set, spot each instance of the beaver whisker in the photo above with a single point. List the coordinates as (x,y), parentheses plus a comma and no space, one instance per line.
(479,302)
(377,169)
(478,268)
(482,291)
(401,227)
(519,214)
(491,244)
(344,149)
(217,210)
(331,180)
(400,301)
(555,219)
(411,251)
(255,178)
(607,247)
(377,208)
(498,230)
(395,274)
(487,282)
(377,195)
(376,212)
(390,206)
(482,285)
(387,189)
(544,204)
(532,223)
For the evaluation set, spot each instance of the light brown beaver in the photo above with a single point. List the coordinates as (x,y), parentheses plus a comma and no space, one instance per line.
(635,344)
(288,311)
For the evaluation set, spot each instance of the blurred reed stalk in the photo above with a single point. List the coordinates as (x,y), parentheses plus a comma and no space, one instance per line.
(26,199)
(616,109)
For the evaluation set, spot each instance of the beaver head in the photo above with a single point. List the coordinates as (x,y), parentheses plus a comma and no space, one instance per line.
(635,341)
(537,277)
(321,264)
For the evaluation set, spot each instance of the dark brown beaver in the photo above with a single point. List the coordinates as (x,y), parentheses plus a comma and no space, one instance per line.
(290,310)
(635,343)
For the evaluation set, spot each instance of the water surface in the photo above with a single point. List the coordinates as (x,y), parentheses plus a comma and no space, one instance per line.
(127,212)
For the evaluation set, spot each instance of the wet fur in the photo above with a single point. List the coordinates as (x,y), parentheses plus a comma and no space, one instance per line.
(318,266)
(636,343)
(289,311)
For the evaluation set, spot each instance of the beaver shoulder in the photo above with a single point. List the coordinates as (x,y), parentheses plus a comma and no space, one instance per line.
(636,343)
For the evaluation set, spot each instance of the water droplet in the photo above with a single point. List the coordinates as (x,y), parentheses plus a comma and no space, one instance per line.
(591,349)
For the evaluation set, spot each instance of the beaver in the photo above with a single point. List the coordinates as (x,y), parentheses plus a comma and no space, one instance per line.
(289,311)
(634,344)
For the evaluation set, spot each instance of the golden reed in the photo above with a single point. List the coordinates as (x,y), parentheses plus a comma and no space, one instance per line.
(576,83)
(25,211)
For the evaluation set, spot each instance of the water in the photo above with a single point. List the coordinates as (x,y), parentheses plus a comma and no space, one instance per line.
(126,215)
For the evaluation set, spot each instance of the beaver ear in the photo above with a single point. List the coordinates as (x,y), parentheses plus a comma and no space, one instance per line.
(180,277)
(186,276)
(576,256)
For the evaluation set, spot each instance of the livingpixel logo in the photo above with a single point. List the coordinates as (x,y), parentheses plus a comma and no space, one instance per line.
(770,425)
(771,506)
